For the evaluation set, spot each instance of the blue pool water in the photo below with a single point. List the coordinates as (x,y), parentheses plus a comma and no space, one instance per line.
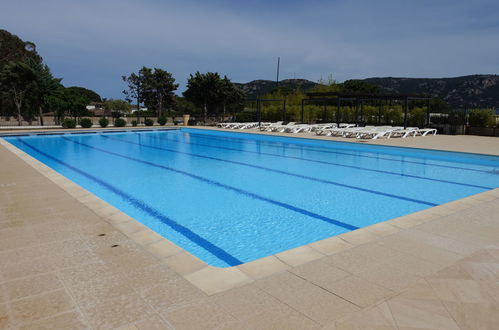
(230,198)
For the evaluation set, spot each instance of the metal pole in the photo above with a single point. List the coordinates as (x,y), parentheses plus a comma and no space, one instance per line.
(284,111)
(356,112)
(338,105)
(428,113)
(258,112)
(380,109)
(406,109)
(324,117)
(302,110)
(362,112)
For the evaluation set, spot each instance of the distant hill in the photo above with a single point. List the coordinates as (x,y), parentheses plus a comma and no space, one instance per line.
(256,88)
(475,91)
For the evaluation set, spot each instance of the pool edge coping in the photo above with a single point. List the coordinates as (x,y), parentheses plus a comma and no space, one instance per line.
(211,279)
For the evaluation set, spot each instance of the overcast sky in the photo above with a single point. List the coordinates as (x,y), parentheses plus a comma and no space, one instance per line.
(92,43)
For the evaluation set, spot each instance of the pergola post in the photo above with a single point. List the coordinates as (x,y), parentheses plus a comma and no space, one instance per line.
(356,111)
(284,110)
(258,113)
(380,110)
(324,117)
(406,109)
(428,112)
(338,113)
(362,112)
(302,110)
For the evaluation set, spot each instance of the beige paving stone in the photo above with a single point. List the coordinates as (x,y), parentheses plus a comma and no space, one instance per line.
(474,315)
(130,260)
(359,291)
(213,280)
(320,273)
(466,291)
(117,312)
(172,294)
(150,276)
(421,313)
(359,236)
(247,301)
(390,276)
(312,301)
(184,263)
(153,323)
(100,290)
(33,308)
(130,227)
(31,286)
(263,267)
(376,317)
(71,320)
(199,315)
(299,255)
(287,319)
(27,268)
(363,257)
(164,249)
(421,250)
(145,237)
(330,245)
(5,319)
(382,229)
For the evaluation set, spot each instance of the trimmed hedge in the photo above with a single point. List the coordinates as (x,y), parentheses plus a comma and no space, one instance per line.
(103,122)
(162,121)
(148,122)
(120,122)
(86,122)
(69,123)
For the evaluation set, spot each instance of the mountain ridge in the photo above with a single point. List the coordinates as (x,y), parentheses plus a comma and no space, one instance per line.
(471,91)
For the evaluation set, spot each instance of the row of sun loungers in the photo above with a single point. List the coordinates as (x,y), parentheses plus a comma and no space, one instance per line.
(333,129)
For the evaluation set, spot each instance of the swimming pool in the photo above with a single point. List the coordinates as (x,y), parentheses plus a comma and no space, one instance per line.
(229,198)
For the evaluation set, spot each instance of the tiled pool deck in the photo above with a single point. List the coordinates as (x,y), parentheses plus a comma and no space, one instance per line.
(436,269)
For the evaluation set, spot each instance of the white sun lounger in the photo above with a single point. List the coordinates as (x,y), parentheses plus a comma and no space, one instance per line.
(282,128)
(426,131)
(269,127)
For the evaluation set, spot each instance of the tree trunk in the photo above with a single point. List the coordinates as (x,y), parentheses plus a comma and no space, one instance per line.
(223,115)
(160,112)
(205,114)
(18,106)
(40,115)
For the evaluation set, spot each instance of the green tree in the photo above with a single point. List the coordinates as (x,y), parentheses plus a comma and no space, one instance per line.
(159,87)
(90,95)
(117,105)
(230,96)
(45,87)
(16,78)
(135,89)
(204,91)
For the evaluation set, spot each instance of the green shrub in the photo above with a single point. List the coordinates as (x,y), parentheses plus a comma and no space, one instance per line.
(86,122)
(120,122)
(69,123)
(162,121)
(134,123)
(482,118)
(103,122)
(148,122)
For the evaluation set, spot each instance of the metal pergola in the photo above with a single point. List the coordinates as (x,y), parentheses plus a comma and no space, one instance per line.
(359,99)
(259,102)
